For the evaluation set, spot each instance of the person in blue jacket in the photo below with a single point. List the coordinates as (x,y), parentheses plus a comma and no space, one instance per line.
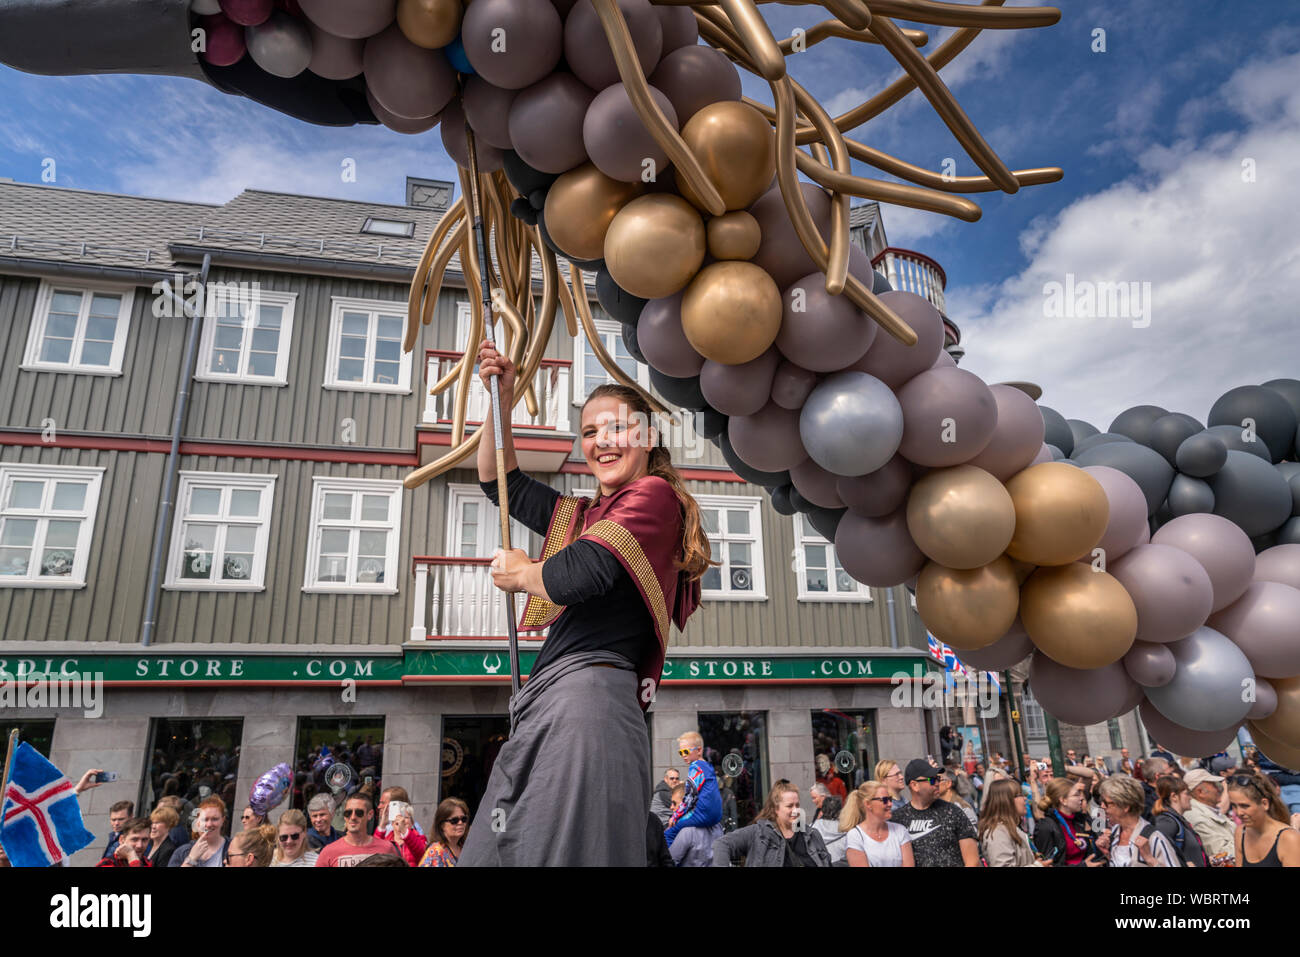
(702,805)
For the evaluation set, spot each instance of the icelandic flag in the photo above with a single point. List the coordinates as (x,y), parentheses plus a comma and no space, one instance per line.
(40,819)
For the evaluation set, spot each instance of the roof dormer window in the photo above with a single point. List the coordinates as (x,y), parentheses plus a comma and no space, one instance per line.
(388,227)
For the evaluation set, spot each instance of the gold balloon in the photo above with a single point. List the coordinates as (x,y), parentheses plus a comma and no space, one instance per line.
(736,148)
(431,24)
(654,245)
(1287,755)
(1283,725)
(580,206)
(1023,569)
(968,608)
(731,312)
(960,517)
(1061,514)
(734,235)
(1078,617)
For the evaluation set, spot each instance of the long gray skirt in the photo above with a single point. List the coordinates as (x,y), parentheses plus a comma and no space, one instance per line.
(571,788)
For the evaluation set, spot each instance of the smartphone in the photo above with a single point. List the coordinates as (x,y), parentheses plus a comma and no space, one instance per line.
(1042,766)
(104,777)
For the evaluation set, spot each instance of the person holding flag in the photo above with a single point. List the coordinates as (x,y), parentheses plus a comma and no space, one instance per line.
(40,817)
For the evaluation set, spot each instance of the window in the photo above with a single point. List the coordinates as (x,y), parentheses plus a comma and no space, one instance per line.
(338,756)
(195,759)
(848,742)
(354,535)
(1035,725)
(47,517)
(365,350)
(1116,735)
(246,339)
(735,529)
(79,329)
(220,537)
(470,745)
(817,565)
(39,733)
(735,743)
(473,528)
(388,227)
(589,373)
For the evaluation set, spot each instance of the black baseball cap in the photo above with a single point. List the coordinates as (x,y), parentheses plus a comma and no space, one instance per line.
(919,768)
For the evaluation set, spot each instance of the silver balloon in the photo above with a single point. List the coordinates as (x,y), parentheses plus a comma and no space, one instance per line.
(851,424)
(281,46)
(1149,664)
(1188,495)
(1265,702)
(1208,691)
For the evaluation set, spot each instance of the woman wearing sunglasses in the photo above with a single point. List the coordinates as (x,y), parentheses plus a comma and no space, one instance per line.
(1265,838)
(291,842)
(450,825)
(872,839)
(1131,841)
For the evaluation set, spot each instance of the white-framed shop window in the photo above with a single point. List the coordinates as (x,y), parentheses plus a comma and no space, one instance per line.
(354,535)
(365,347)
(587,370)
(219,539)
(246,339)
(47,519)
(734,524)
(818,570)
(473,525)
(79,328)
(1035,723)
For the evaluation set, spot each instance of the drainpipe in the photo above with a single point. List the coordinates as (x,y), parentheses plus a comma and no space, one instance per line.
(893,623)
(178,424)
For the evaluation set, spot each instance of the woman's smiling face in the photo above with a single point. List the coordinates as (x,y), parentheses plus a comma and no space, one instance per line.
(616,442)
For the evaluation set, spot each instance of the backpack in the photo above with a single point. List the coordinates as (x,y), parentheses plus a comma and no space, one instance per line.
(1180,839)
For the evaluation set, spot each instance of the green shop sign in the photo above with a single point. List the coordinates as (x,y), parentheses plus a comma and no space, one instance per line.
(431,666)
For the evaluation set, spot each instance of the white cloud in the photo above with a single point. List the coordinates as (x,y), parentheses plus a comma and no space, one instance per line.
(1222,257)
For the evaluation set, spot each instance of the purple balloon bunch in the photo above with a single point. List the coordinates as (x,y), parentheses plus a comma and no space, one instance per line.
(270,789)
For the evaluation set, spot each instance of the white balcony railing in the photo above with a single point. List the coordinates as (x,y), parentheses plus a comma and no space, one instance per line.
(909,271)
(551,385)
(455,598)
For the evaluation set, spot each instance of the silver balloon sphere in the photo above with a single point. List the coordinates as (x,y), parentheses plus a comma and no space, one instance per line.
(851,424)
(1209,690)
(281,46)
(205,8)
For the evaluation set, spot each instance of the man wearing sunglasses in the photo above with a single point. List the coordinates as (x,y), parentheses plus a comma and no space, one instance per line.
(1215,829)
(702,805)
(357,843)
(941,834)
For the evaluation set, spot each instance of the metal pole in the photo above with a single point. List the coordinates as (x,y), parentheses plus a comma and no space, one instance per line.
(1054,745)
(498,434)
(9,760)
(1012,716)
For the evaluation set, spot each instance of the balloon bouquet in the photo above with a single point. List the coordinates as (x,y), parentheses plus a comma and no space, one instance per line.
(613,133)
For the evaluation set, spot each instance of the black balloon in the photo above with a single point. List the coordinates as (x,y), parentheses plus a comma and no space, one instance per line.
(710,423)
(1273,417)
(629,342)
(523,177)
(617,302)
(1081,430)
(537,199)
(746,471)
(1251,493)
(1057,431)
(825,520)
(682,392)
(1288,389)
(1092,441)
(781,500)
(798,502)
(1143,465)
(1234,437)
(1170,431)
(1136,422)
(880,283)
(521,209)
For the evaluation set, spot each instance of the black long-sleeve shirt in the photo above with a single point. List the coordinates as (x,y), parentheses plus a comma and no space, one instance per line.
(603,608)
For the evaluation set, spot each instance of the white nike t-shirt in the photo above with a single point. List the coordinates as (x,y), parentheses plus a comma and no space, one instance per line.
(886,853)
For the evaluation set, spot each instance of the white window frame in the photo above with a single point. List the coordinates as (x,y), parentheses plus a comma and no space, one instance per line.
(754,504)
(802,539)
(41,315)
(582,354)
(287,301)
(1035,723)
(329,483)
(341,304)
(226,482)
(458,493)
(93,476)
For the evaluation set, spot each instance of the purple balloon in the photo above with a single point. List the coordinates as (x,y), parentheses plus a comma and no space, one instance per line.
(1017,436)
(679,27)
(1149,664)
(816,484)
(455,143)
(588,52)
(695,76)
(1265,700)
(1079,696)
(769,439)
(352,19)
(1169,588)
(545,123)
(487,108)
(1128,511)
(407,80)
(1281,564)
(512,43)
(780,252)
(616,139)
(877,493)
(894,363)
(334,58)
(1265,624)
(791,385)
(820,331)
(742,389)
(1184,741)
(662,341)
(948,417)
(270,789)
(878,551)
(1011,649)
(1222,548)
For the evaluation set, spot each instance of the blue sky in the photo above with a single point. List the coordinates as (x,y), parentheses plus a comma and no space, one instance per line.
(1152,135)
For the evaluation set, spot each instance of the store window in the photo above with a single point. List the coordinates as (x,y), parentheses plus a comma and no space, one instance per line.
(39,734)
(735,743)
(194,759)
(844,748)
(470,745)
(1116,735)
(339,757)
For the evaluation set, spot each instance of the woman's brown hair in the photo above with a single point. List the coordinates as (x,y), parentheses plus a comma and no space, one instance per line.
(259,841)
(1264,787)
(1057,790)
(1166,788)
(1000,808)
(447,810)
(696,553)
(774,798)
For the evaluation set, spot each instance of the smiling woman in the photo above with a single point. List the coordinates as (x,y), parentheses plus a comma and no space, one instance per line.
(616,572)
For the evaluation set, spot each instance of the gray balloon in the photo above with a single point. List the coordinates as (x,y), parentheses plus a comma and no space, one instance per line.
(487,108)
(1081,429)
(1201,455)
(1274,419)
(533,35)
(679,27)
(1017,435)
(1170,589)
(1170,431)
(1249,492)
(334,58)
(1289,534)
(1263,623)
(894,363)
(819,331)
(1057,430)
(1206,692)
(1045,455)
(1136,422)
(1057,454)
(949,416)
(1288,389)
(816,484)
(878,551)
(1294,485)
(1188,495)
(546,123)
(1281,564)
(780,253)
(1265,700)
(662,341)
(741,389)
(452,128)
(281,45)
(588,52)
(877,493)
(792,384)
(1144,466)
(768,439)
(694,77)
(1078,696)
(1150,665)
(616,139)
(851,423)
(1183,741)
(1092,441)
(1011,649)
(1222,549)
(1234,437)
